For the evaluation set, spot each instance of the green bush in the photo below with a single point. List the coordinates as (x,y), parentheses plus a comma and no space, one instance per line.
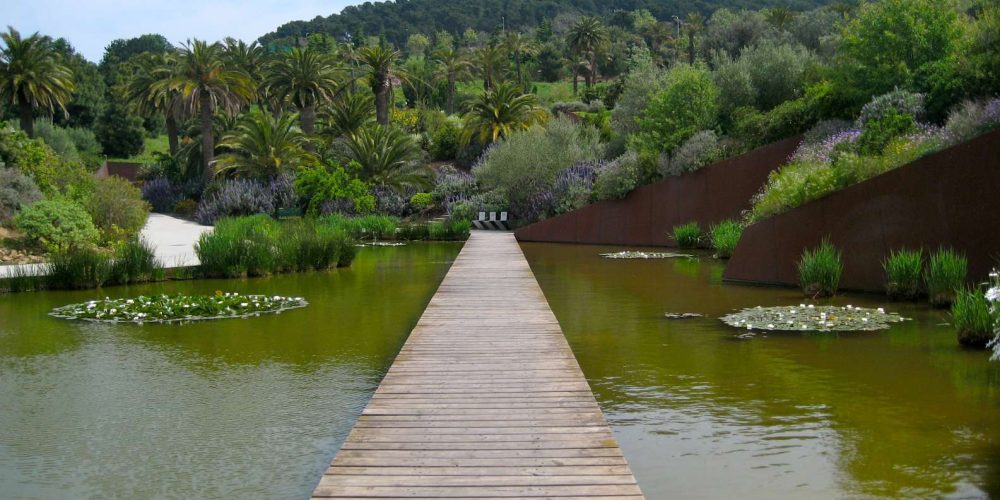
(117,209)
(52,174)
(618,178)
(57,224)
(904,271)
(445,142)
(687,235)
(311,246)
(685,106)
(78,268)
(820,270)
(449,230)
(245,246)
(413,232)
(135,262)
(973,318)
(422,200)
(377,227)
(725,236)
(946,273)
(322,183)
(16,190)
(878,133)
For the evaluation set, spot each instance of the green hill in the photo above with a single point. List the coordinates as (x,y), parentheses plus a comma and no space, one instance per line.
(396,20)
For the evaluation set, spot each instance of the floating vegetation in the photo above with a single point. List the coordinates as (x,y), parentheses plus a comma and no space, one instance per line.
(178,308)
(646,255)
(381,244)
(682,315)
(809,318)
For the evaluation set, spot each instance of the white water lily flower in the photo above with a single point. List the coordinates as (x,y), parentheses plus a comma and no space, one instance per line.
(880,310)
(993,294)
(770,326)
(812,306)
(243,304)
(130,302)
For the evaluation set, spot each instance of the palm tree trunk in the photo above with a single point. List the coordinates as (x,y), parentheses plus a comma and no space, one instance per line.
(27,119)
(593,69)
(172,132)
(451,95)
(307,119)
(207,140)
(382,105)
(690,47)
(576,75)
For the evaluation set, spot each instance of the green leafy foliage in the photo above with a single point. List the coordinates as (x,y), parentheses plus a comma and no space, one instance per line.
(904,271)
(16,190)
(973,318)
(687,105)
(323,183)
(946,274)
(57,224)
(78,268)
(120,133)
(117,208)
(449,230)
(687,235)
(34,158)
(724,237)
(820,270)
(422,201)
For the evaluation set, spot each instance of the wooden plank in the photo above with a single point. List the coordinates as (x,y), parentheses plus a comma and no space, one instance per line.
(484,400)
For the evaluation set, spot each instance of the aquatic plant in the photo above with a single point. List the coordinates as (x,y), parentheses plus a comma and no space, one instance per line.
(973,318)
(449,230)
(820,270)
(946,273)
(645,255)
(687,235)
(177,308)
(724,237)
(811,318)
(904,271)
(135,262)
(78,268)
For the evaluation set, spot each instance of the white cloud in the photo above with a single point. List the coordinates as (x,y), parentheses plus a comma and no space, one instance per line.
(91,25)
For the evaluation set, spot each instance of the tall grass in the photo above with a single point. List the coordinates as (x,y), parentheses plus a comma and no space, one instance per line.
(724,237)
(449,230)
(687,235)
(946,274)
(79,268)
(904,271)
(972,317)
(820,270)
(259,245)
(22,279)
(413,232)
(368,227)
(135,262)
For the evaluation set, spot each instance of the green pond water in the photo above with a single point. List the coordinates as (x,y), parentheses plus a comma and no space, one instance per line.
(234,408)
(702,413)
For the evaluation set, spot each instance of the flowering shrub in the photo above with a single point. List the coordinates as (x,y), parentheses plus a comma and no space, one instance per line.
(236,197)
(897,102)
(617,178)
(392,202)
(971,119)
(573,187)
(452,184)
(175,308)
(699,150)
(161,194)
(16,190)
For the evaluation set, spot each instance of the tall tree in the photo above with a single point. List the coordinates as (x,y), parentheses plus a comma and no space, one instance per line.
(491,62)
(694,24)
(148,91)
(453,66)
(498,112)
(249,58)
(32,75)
(307,78)
(388,157)
(520,47)
(587,37)
(206,85)
(379,62)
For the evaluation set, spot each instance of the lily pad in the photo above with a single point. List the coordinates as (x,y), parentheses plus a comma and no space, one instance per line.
(177,308)
(645,255)
(682,315)
(809,318)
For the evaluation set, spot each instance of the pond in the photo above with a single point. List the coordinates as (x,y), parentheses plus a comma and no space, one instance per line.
(701,412)
(253,407)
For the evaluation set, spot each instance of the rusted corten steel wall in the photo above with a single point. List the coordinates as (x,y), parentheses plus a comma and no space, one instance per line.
(950,198)
(649,213)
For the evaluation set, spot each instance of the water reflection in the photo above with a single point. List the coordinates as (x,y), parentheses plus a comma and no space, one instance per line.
(250,407)
(701,413)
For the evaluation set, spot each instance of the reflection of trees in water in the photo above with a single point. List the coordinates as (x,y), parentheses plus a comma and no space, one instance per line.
(887,404)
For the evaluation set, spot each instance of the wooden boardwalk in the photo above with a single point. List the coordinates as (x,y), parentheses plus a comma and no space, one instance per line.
(484,400)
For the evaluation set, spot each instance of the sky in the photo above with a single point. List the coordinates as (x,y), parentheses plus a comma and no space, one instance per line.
(90,25)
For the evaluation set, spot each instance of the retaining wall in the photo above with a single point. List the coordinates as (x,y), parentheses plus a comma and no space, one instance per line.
(949,198)
(648,214)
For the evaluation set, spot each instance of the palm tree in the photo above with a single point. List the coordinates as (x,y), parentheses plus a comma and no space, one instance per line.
(520,46)
(380,61)
(388,157)
(32,75)
(263,145)
(588,36)
(347,115)
(249,58)
(148,92)
(499,112)
(206,84)
(491,61)
(306,78)
(780,17)
(695,24)
(453,66)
